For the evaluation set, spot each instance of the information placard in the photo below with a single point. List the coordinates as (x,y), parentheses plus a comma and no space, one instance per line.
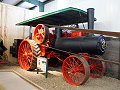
(42,63)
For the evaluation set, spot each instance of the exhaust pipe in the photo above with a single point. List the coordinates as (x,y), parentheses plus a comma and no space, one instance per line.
(90,16)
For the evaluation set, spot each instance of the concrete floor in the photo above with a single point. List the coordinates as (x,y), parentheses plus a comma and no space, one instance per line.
(11,81)
(55,80)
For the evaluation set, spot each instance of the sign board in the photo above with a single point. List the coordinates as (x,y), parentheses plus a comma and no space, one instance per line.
(42,64)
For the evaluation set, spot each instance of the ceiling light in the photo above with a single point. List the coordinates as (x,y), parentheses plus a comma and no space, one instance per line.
(26,5)
(42,0)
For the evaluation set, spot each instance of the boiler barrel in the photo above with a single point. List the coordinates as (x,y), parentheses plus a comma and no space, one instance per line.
(85,44)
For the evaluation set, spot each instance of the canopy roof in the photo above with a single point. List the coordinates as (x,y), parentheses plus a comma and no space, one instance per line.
(61,17)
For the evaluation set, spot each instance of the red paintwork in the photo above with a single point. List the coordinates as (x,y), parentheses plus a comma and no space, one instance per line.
(78,34)
(65,34)
(85,54)
(52,54)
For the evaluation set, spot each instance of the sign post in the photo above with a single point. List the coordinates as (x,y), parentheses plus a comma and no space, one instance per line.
(42,65)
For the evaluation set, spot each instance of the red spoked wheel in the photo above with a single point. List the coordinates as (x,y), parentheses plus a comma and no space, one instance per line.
(97,68)
(27,54)
(41,34)
(75,70)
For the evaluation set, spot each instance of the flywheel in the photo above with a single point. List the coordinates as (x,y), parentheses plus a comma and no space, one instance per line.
(27,54)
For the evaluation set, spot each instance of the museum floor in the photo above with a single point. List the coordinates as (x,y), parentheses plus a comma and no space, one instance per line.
(55,80)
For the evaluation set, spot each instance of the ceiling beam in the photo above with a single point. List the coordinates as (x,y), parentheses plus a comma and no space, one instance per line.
(19,3)
(38,3)
(47,1)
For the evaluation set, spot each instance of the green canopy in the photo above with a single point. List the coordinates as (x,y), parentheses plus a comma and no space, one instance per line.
(61,17)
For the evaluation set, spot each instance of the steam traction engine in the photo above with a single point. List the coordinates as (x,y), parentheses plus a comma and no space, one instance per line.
(76,69)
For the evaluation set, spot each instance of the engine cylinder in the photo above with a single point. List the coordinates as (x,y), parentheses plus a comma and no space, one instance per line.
(85,44)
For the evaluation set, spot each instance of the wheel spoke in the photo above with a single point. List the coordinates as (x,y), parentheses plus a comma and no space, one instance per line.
(73,61)
(80,65)
(82,74)
(76,64)
(80,78)
(22,49)
(99,68)
(72,75)
(66,67)
(28,47)
(69,64)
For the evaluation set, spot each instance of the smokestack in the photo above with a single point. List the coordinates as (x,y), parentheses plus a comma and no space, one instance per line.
(90,16)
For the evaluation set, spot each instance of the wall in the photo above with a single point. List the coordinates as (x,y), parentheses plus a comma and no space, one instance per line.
(112,53)
(9,16)
(106,11)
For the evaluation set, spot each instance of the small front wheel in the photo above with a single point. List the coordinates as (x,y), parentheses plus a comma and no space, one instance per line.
(75,70)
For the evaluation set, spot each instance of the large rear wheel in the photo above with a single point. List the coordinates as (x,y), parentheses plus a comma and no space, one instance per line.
(27,54)
(75,70)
